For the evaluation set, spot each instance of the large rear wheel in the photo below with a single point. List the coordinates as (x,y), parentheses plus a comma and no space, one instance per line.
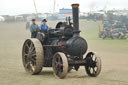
(32,56)
(60,65)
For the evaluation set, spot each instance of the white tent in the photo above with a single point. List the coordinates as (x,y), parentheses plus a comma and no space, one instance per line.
(2,19)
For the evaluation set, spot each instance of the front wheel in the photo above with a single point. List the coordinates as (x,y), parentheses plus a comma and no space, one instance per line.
(60,65)
(93,66)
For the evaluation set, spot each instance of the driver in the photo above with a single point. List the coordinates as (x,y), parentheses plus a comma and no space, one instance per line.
(44,26)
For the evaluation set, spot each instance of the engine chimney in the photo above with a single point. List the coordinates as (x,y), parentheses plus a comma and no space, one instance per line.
(75,12)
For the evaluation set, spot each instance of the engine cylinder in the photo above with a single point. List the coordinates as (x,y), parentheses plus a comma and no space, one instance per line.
(76,46)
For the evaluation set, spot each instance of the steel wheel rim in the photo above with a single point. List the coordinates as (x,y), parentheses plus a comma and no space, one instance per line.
(94,68)
(29,56)
(60,65)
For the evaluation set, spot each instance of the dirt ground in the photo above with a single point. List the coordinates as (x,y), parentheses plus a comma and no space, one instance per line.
(114,55)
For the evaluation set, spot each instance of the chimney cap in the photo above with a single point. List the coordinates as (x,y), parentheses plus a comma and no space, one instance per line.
(75,5)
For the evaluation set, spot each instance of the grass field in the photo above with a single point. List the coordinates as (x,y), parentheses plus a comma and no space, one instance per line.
(114,55)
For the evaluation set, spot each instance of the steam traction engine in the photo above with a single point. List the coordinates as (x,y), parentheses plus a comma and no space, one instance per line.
(61,48)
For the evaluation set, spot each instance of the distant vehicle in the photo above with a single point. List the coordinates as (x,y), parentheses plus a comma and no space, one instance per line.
(105,31)
(119,33)
(107,34)
(115,30)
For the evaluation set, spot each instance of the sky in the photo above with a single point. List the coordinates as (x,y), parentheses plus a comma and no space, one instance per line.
(15,7)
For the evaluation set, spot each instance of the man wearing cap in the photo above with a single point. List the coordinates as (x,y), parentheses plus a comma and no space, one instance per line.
(34,28)
(44,26)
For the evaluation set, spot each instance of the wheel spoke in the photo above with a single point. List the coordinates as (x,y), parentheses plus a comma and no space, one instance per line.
(33,54)
(34,58)
(32,49)
(27,46)
(25,54)
(27,64)
(94,72)
(26,59)
(31,67)
(31,45)
(33,61)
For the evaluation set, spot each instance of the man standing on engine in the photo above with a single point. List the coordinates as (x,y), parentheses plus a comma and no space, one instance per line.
(34,28)
(44,26)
